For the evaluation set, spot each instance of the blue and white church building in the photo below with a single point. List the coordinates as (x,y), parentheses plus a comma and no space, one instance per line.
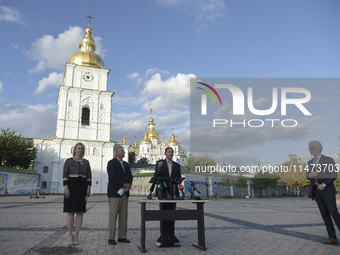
(84,115)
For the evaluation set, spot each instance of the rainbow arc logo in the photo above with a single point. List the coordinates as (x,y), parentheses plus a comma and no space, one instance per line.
(204,97)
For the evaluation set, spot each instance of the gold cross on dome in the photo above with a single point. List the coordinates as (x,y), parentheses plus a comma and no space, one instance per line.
(90,17)
(152,110)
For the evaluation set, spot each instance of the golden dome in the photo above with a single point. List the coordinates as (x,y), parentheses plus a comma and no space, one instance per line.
(152,133)
(173,141)
(146,139)
(124,140)
(86,55)
(135,147)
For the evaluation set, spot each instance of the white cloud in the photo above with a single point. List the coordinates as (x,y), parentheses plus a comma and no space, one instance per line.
(136,76)
(159,93)
(32,121)
(14,46)
(100,48)
(134,124)
(204,12)
(53,80)
(54,53)
(133,76)
(1,86)
(172,93)
(239,160)
(151,71)
(167,94)
(10,14)
(224,138)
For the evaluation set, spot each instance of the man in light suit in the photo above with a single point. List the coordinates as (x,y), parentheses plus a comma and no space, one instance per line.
(120,180)
(322,171)
(168,168)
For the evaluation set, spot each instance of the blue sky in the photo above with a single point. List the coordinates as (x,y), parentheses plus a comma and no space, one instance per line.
(153,47)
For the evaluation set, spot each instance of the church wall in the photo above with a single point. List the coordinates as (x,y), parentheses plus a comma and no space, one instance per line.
(45,155)
(104,116)
(84,87)
(53,153)
(69,119)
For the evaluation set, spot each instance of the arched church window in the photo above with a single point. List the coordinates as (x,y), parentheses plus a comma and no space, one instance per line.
(44,185)
(45,169)
(85,116)
(95,151)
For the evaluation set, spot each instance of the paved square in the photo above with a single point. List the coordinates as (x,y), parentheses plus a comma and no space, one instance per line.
(232,226)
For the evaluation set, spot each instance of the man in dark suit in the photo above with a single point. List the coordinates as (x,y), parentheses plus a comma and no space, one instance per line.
(120,180)
(168,168)
(322,172)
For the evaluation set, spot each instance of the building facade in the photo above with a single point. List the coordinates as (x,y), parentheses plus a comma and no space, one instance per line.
(152,146)
(84,115)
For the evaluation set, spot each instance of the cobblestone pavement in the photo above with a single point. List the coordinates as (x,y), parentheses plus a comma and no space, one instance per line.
(232,226)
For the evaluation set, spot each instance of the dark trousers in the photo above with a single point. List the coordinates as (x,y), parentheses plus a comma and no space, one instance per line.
(327,205)
(167,227)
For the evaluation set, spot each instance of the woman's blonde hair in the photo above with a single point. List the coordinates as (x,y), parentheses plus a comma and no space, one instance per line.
(75,147)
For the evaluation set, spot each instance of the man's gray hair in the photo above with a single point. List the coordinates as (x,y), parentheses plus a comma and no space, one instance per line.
(117,147)
(318,144)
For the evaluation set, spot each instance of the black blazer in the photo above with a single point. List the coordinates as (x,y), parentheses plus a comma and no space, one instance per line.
(117,177)
(164,172)
(327,173)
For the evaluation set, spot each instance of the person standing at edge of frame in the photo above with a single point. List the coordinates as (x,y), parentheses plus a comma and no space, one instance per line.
(322,174)
(120,180)
(77,179)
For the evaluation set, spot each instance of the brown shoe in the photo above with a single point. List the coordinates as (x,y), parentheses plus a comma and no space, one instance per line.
(331,241)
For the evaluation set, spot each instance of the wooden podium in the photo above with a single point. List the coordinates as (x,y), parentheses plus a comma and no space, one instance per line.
(168,215)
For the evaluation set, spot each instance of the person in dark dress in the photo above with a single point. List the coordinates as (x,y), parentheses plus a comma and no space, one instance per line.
(77,181)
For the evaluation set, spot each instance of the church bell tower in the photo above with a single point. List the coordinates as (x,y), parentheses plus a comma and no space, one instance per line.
(84,104)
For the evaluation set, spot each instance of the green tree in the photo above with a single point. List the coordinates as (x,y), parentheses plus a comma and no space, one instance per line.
(337,184)
(132,157)
(228,182)
(263,180)
(143,160)
(207,185)
(241,182)
(16,151)
(295,176)
(202,161)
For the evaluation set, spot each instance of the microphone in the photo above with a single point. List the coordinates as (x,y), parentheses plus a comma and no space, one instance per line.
(196,190)
(157,173)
